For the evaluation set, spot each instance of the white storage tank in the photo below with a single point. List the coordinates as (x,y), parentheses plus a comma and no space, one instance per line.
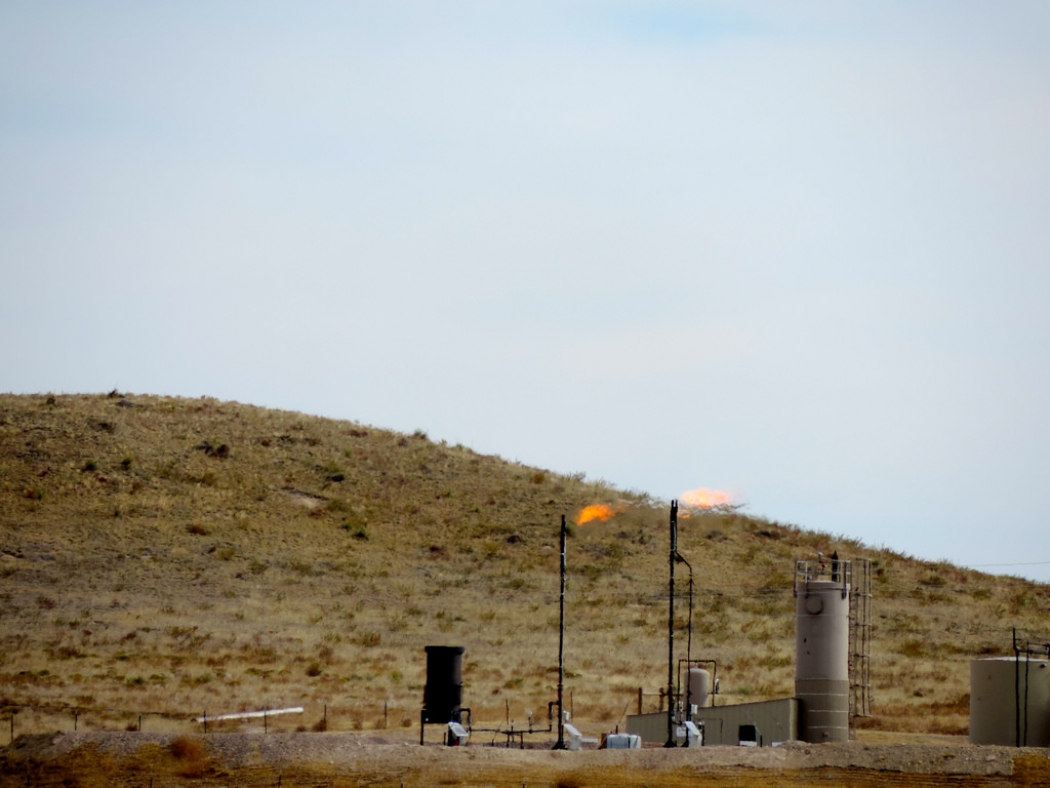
(699,688)
(822,655)
(996,684)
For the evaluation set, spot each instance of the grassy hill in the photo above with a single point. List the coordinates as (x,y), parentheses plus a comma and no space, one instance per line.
(171,556)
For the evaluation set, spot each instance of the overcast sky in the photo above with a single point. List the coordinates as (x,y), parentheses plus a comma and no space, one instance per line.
(799,252)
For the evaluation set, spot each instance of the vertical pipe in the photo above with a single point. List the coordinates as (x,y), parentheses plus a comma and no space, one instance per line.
(1016,691)
(560,744)
(670,628)
(689,640)
(1027,661)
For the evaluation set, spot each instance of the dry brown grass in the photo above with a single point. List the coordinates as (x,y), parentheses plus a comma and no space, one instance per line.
(192,756)
(146,570)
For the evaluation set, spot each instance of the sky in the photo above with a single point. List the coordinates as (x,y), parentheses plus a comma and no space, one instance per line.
(798,252)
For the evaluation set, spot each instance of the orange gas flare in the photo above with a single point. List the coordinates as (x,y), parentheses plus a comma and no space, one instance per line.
(703,498)
(596,511)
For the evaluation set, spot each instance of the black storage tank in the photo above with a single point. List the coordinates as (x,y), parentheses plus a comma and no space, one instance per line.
(443,694)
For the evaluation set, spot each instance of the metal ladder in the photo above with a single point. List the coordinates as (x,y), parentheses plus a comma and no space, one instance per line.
(860,642)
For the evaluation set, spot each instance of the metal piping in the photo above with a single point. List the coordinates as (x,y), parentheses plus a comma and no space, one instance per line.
(1017,691)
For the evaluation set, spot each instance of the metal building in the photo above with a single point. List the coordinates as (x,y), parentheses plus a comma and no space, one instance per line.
(774,721)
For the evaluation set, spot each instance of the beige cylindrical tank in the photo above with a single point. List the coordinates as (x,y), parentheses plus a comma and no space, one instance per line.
(995,685)
(699,687)
(822,660)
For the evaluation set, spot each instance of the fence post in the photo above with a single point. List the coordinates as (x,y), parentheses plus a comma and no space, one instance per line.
(204,719)
(76,714)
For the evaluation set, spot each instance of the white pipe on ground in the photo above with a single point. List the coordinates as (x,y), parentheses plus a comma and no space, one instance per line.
(249,715)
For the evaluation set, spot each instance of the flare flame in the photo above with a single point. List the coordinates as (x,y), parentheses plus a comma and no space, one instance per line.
(703,498)
(596,511)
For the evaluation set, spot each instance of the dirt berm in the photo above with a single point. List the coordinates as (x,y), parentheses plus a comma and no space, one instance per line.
(88,759)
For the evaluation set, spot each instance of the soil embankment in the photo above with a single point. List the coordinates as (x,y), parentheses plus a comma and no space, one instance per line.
(90,759)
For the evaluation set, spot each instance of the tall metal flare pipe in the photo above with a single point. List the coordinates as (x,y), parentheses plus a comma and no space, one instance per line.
(671,741)
(560,744)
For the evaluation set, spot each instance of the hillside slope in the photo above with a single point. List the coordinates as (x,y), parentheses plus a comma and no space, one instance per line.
(169,556)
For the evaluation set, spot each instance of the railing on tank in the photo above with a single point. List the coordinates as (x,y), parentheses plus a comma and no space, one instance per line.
(830,569)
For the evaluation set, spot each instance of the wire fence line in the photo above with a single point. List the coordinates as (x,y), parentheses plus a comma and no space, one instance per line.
(26,718)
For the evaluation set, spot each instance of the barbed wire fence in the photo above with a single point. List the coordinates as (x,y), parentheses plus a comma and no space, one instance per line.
(20,718)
